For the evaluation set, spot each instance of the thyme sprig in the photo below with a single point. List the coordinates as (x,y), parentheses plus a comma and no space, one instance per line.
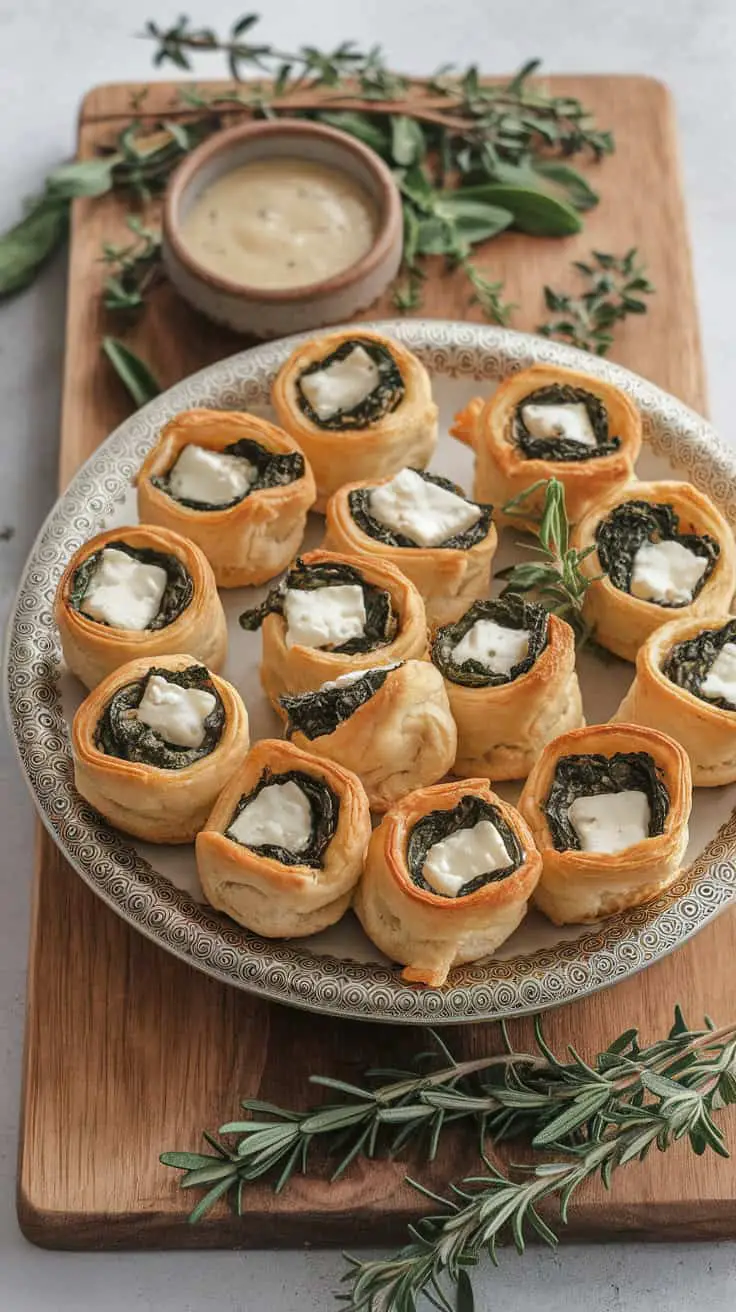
(615,286)
(555,577)
(134,267)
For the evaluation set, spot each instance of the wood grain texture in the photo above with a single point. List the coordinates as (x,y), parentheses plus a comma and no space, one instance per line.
(128,1051)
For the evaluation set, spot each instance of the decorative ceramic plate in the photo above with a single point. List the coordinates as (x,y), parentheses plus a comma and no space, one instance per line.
(156,890)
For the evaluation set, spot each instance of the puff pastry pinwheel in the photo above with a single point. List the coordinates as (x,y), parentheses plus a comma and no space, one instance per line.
(236,485)
(137,591)
(284,846)
(155,743)
(685,685)
(391,725)
(424,524)
(509,671)
(448,877)
(333,614)
(660,551)
(547,421)
(608,807)
(359,405)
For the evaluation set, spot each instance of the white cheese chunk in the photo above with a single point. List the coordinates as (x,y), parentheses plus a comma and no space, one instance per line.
(422,511)
(720,681)
(177,714)
(609,822)
(666,571)
(280,814)
(210,477)
(342,385)
(352,676)
(455,861)
(570,420)
(123,592)
(493,646)
(325,617)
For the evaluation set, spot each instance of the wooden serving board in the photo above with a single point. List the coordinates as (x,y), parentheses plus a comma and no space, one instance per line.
(129,1051)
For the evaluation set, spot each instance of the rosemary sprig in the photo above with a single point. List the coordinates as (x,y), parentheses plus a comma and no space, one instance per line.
(555,578)
(135,267)
(615,286)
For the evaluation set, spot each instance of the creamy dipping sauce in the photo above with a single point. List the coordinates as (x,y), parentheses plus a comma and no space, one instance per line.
(281,223)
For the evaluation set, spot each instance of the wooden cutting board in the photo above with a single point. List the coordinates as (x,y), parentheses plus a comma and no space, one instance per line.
(129,1051)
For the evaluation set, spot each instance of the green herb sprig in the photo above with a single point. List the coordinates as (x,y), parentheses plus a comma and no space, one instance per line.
(615,286)
(134,268)
(135,376)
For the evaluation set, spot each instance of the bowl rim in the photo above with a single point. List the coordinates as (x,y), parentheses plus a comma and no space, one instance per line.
(385,192)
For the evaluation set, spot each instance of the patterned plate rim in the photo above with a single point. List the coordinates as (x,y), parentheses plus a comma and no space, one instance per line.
(289,972)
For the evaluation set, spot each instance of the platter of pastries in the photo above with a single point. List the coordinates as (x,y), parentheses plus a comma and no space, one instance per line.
(277,708)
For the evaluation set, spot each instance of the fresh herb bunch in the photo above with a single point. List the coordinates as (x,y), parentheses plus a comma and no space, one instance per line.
(615,286)
(556,578)
(592,1117)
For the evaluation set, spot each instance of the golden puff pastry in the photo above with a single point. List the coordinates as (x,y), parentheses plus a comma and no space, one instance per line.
(685,685)
(155,743)
(448,877)
(391,725)
(284,846)
(236,485)
(549,422)
(509,671)
(424,524)
(661,551)
(137,591)
(608,807)
(359,405)
(305,646)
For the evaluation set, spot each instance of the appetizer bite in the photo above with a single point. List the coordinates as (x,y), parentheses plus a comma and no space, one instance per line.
(137,591)
(284,846)
(332,614)
(509,671)
(359,405)
(608,807)
(658,548)
(236,485)
(549,422)
(155,743)
(685,685)
(391,725)
(448,877)
(424,524)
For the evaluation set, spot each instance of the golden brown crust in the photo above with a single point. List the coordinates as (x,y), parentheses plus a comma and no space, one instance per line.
(407,436)
(403,737)
(303,669)
(707,732)
(263,894)
(501,730)
(449,580)
(622,622)
(160,806)
(578,887)
(250,542)
(502,470)
(427,933)
(93,650)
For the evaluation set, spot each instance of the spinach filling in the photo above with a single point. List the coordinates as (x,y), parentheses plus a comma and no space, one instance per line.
(120,733)
(274,469)
(381,621)
(563,448)
(360,509)
(689,663)
(385,397)
(316,714)
(513,613)
(630,525)
(438,825)
(324,805)
(177,593)
(587,776)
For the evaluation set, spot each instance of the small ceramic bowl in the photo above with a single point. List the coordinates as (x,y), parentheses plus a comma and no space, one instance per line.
(265,312)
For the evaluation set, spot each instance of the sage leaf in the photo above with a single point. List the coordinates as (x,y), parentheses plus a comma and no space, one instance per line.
(576,187)
(407,140)
(28,244)
(135,376)
(535,212)
(83,177)
(361,126)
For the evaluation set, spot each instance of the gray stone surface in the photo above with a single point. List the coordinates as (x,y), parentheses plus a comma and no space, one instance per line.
(50,53)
